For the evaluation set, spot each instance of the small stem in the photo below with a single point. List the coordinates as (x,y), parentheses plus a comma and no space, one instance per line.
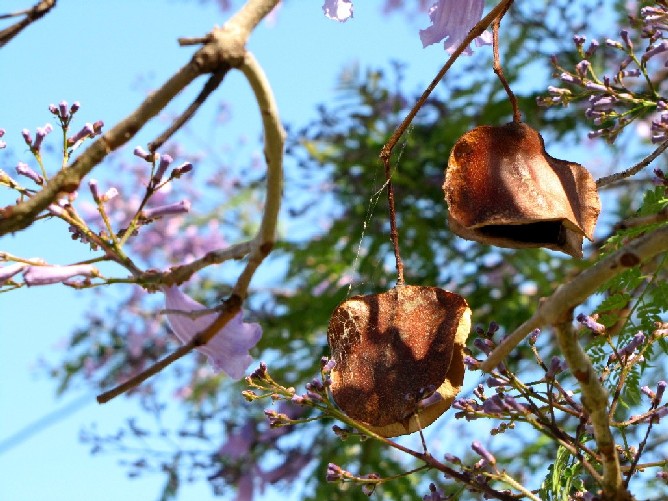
(476,31)
(633,170)
(517,115)
(394,234)
(507,479)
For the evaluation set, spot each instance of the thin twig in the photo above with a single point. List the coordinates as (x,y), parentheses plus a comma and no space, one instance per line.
(498,69)
(211,85)
(633,170)
(595,401)
(476,31)
(394,234)
(573,293)
(232,306)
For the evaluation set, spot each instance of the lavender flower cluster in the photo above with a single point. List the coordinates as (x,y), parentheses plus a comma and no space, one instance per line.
(111,224)
(631,86)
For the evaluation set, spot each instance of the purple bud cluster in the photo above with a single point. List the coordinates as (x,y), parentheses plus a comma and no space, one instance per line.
(23,170)
(163,162)
(335,473)
(63,112)
(613,101)
(87,131)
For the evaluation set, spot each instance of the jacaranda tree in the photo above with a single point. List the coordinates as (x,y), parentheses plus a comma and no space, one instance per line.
(467,313)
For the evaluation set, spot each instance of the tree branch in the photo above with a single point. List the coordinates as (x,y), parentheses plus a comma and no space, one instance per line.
(274,138)
(632,170)
(260,246)
(211,85)
(225,45)
(595,401)
(31,15)
(571,294)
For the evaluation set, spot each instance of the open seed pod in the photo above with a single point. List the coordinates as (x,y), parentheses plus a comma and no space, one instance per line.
(503,189)
(394,349)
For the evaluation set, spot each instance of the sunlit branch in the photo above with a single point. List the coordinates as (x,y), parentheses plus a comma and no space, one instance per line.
(595,401)
(31,15)
(209,87)
(571,294)
(260,246)
(182,273)
(274,138)
(225,45)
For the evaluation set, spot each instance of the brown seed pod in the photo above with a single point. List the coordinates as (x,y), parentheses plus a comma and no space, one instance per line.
(503,189)
(394,349)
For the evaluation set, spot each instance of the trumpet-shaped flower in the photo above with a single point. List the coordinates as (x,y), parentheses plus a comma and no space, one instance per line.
(46,275)
(452,20)
(228,349)
(338,10)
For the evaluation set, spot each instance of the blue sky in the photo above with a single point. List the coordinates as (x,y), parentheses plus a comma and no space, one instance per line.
(106,55)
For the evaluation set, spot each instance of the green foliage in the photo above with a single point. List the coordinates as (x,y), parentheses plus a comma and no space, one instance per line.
(562,478)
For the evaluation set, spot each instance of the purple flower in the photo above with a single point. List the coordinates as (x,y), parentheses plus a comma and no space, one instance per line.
(579,40)
(228,349)
(327,365)
(94,190)
(27,137)
(165,160)
(7,272)
(660,389)
(41,134)
(556,366)
(62,107)
(451,20)
(591,323)
(44,275)
(334,473)
(631,346)
(184,168)
(142,153)
(166,210)
(653,51)
(2,143)
(86,131)
(484,453)
(338,10)
(23,170)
